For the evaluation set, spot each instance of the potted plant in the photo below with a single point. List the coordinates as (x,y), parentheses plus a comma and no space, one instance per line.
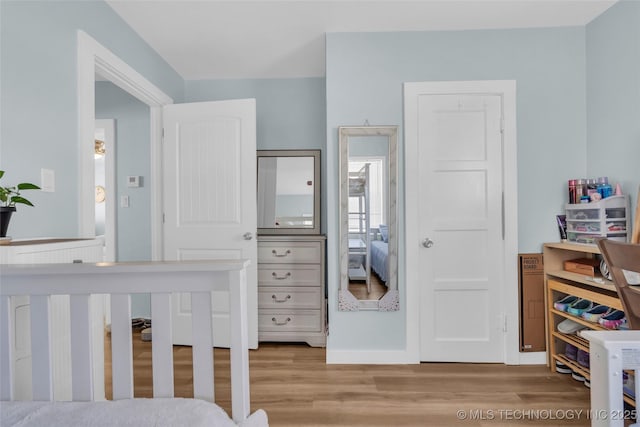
(9,196)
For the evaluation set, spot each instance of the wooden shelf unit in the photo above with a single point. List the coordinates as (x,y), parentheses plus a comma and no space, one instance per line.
(559,283)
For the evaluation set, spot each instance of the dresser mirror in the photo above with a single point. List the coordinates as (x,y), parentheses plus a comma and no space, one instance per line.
(288,191)
(368,218)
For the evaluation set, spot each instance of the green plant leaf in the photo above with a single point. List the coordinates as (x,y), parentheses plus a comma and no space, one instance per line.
(27,186)
(18,199)
(1,174)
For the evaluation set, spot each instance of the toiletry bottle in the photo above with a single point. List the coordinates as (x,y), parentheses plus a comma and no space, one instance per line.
(581,189)
(572,191)
(592,186)
(604,188)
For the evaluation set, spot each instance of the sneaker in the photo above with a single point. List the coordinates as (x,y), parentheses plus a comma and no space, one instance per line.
(564,303)
(577,376)
(596,313)
(568,326)
(571,352)
(613,320)
(583,358)
(587,383)
(579,307)
(561,368)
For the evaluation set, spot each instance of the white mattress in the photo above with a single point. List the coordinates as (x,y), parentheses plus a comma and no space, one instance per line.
(129,412)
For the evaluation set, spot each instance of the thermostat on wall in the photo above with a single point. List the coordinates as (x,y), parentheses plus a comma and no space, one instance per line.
(133,181)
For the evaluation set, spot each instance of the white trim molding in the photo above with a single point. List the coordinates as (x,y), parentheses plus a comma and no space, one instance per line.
(93,58)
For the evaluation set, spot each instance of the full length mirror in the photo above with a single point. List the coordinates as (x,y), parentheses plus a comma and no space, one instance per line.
(368,218)
(288,191)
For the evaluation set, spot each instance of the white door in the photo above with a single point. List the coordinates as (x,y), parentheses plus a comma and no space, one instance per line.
(209,197)
(459,243)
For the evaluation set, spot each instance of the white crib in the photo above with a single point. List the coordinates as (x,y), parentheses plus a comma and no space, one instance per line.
(120,280)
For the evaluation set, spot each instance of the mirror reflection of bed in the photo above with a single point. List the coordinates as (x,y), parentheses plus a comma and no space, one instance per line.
(368,245)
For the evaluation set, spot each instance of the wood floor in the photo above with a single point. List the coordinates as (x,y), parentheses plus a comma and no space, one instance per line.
(292,383)
(359,288)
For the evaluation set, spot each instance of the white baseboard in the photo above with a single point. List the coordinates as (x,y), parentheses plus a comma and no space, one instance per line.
(368,357)
(533,358)
(400,357)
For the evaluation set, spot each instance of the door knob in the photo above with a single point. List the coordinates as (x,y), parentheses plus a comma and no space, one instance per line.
(427,242)
(247,236)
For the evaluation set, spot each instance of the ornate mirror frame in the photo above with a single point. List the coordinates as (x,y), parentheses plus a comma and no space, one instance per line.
(346,300)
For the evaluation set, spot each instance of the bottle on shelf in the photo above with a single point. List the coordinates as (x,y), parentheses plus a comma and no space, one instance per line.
(604,188)
(592,186)
(572,191)
(581,189)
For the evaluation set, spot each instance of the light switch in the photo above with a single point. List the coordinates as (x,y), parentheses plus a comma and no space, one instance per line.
(124,201)
(48,180)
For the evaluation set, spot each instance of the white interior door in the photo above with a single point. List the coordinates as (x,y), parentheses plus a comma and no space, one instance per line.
(209,198)
(460,228)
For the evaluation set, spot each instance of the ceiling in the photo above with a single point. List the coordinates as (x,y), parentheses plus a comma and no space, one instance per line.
(214,39)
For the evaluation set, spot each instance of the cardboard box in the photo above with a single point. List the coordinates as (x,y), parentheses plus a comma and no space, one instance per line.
(586,266)
(531,290)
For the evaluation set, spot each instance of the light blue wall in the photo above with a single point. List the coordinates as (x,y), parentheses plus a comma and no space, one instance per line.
(613,96)
(39,99)
(365,74)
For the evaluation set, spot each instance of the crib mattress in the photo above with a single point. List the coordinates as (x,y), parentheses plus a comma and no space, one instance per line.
(129,412)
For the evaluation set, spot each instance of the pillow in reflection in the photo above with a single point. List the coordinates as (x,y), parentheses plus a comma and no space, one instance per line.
(384,232)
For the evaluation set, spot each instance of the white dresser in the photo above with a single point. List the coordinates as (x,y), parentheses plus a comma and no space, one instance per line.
(291,290)
(51,251)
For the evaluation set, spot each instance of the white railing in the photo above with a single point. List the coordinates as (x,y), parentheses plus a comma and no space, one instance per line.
(120,280)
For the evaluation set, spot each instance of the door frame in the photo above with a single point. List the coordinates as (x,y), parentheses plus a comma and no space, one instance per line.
(506,89)
(93,58)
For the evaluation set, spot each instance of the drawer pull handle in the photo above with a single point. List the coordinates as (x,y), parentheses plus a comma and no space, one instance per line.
(275,299)
(274,320)
(275,253)
(286,276)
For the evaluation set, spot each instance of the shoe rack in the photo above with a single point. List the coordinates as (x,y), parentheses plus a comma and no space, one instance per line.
(560,283)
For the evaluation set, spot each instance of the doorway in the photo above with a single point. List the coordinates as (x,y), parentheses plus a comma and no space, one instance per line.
(95,60)
(105,201)
(461,207)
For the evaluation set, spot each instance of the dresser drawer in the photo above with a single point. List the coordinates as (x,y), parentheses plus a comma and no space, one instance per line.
(286,298)
(289,252)
(289,275)
(292,320)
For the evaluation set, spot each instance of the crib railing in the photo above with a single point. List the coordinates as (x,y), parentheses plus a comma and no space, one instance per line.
(120,280)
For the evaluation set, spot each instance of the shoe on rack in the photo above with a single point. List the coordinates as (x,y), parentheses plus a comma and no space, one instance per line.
(561,368)
(613,320)
(577,376)
(568,326)
(579,307)
(587,383)
(596,313)
(571,352)
(583,358)
(565,302)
